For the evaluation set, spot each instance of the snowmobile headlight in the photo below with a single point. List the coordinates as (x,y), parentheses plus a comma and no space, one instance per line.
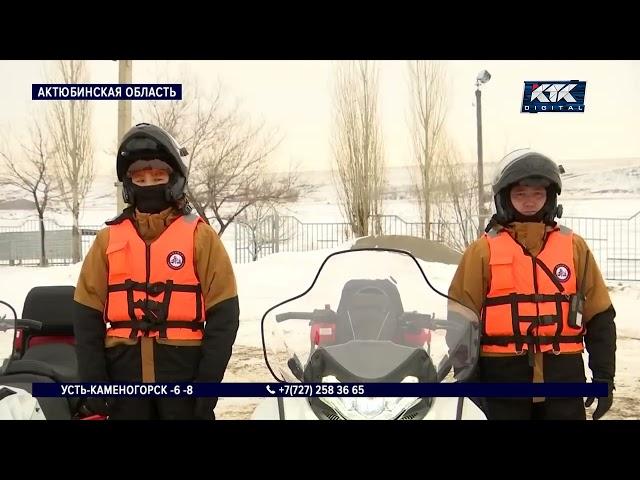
(371,408)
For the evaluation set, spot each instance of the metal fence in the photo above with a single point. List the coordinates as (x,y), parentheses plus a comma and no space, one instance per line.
(21,244)
(614,241)
(277,233)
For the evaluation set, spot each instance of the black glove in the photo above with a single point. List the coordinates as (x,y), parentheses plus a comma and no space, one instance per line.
(95,406)
(604,403)
(204,408)
(219,335)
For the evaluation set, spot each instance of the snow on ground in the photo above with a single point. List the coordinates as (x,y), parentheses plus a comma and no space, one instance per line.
(278,277)
(593,189)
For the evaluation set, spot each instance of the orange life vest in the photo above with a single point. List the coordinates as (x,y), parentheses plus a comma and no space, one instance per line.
(154,289)
(527,306)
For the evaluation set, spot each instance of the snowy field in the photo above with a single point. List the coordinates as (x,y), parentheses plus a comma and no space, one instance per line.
(265,283)
(592,189)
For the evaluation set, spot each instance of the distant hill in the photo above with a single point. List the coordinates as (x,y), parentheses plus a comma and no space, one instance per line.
(583,179)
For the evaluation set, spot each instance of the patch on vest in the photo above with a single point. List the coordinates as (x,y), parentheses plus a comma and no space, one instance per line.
(562,272)
(175,260)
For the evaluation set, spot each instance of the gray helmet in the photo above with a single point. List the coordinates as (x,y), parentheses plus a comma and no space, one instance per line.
(526,167)
(146,141)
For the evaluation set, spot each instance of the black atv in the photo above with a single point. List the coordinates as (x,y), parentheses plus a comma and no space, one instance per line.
(43,349)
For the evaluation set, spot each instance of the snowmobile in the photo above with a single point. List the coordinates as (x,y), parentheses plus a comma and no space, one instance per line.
(390,325)
(39,349)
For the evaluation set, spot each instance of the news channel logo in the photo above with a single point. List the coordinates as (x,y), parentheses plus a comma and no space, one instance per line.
(562,96)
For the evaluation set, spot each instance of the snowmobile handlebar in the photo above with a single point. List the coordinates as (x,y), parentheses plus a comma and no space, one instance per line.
(281,317)
(316,315)
(415,319)
(423,320)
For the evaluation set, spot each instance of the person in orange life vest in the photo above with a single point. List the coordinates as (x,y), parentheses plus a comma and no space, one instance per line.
(156,299)
(539,295)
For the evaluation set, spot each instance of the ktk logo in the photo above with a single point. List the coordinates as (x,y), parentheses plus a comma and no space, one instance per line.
(555,92)
(553,96)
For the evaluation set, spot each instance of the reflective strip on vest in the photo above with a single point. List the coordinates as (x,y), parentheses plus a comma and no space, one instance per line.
(154,290)
(527,307)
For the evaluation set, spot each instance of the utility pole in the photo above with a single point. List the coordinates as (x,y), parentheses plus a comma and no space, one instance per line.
(481,214)
(125,71)
(483,77)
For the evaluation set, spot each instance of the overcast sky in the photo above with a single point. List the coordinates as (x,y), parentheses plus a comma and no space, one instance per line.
(295,98)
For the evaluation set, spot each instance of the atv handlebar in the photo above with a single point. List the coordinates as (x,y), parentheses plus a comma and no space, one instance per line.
(7,324)
(28,324)
(20,323)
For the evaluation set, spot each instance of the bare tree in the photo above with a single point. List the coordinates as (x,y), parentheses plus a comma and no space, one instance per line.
(233,176)
(229,156)
(455,197)
(357,145)
(428,111)
(70,129)
(265,227)
(194,121)
(33,173)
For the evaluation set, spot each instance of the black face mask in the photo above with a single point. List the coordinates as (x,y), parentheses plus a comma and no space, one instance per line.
(538,217)
(151,199)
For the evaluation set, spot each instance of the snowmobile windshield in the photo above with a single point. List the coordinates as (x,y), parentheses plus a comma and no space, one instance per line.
(372,315)
(7,335)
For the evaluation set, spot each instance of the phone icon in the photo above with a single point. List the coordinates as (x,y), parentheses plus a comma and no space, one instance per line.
(270,390)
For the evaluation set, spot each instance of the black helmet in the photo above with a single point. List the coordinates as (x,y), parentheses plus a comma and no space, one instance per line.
(526,167)
(146,141)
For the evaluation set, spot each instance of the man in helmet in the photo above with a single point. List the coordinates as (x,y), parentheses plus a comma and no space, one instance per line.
(539,294)
(156,299)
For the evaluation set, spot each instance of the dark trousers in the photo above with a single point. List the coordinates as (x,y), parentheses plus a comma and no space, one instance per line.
(556,368)
(172,364)
(525,409)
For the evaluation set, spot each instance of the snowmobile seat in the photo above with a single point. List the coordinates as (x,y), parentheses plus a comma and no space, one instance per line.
(57,361)
(49,350)
(371,310)
(368,310)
